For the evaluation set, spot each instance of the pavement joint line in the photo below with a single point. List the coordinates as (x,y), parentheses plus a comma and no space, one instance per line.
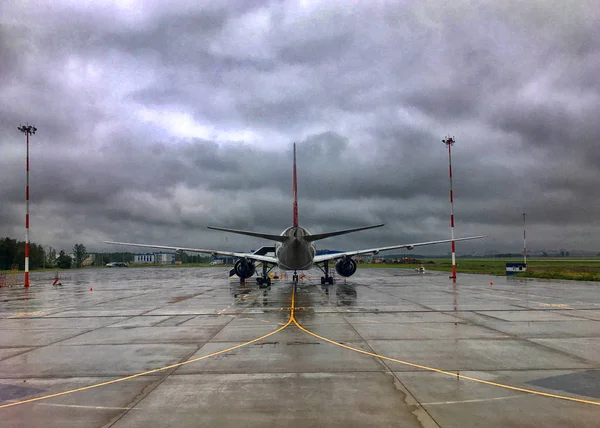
(292,320)
(122,298)
(406,391)
(146,391)
(427,308)
(121,379)
(85,332)
(535,295)
(530,340)
(25,350)
(447,373)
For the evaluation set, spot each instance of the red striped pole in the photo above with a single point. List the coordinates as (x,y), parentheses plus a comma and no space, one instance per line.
(449,142)
(29,129)
(524,243)
(295,187)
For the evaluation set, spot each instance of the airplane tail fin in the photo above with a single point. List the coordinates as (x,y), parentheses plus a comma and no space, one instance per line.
(316,237)
(277,238)
(295,191)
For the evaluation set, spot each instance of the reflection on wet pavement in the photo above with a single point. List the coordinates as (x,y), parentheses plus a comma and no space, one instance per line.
(520,333)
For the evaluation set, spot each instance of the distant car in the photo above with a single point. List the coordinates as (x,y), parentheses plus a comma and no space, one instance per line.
(117,264)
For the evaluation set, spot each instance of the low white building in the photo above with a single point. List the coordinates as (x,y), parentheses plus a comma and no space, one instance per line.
(165,258)
(160,258)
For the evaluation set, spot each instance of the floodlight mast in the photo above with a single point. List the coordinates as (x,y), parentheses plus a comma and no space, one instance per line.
(27,130)
(449,142)
(524,241)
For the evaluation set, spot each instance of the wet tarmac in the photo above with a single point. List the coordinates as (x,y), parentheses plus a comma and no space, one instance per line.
(186,347)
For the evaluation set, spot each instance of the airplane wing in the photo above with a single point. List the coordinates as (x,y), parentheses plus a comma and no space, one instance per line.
(248,233)
(325,257)
(250,256)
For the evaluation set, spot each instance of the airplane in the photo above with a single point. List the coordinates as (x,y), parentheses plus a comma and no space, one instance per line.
(294,249)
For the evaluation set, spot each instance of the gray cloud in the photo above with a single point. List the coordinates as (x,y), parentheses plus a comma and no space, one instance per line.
(155,122)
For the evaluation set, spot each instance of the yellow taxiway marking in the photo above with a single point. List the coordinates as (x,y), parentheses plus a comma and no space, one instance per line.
(78,406)
(553,305)
(293,320)
(444,372)
(477,400)
(27,314)
(171,366)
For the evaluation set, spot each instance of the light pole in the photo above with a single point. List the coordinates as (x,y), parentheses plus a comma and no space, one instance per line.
(27,130)
(449,142)
(524,242)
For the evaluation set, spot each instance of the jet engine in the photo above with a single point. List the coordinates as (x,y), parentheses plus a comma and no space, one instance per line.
(244,268)
(345,267)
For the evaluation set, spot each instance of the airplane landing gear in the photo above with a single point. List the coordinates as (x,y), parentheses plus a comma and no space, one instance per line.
(295,278)
(326,279)
(264,280)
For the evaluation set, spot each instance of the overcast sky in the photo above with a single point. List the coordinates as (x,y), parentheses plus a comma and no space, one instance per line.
(156,119)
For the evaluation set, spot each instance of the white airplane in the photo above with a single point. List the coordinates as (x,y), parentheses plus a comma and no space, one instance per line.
(294,249)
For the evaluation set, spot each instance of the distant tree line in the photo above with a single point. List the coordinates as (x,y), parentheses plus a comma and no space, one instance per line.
(80,254)
(100,259)
(64,261)
(12,252)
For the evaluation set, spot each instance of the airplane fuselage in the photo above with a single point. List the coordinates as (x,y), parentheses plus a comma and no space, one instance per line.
(295,253)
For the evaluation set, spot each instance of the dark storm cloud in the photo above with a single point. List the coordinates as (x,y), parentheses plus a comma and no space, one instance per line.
(156,121)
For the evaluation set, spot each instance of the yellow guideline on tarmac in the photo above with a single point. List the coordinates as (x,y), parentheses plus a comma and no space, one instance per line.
(121,379)
(293,320)
(432,369)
